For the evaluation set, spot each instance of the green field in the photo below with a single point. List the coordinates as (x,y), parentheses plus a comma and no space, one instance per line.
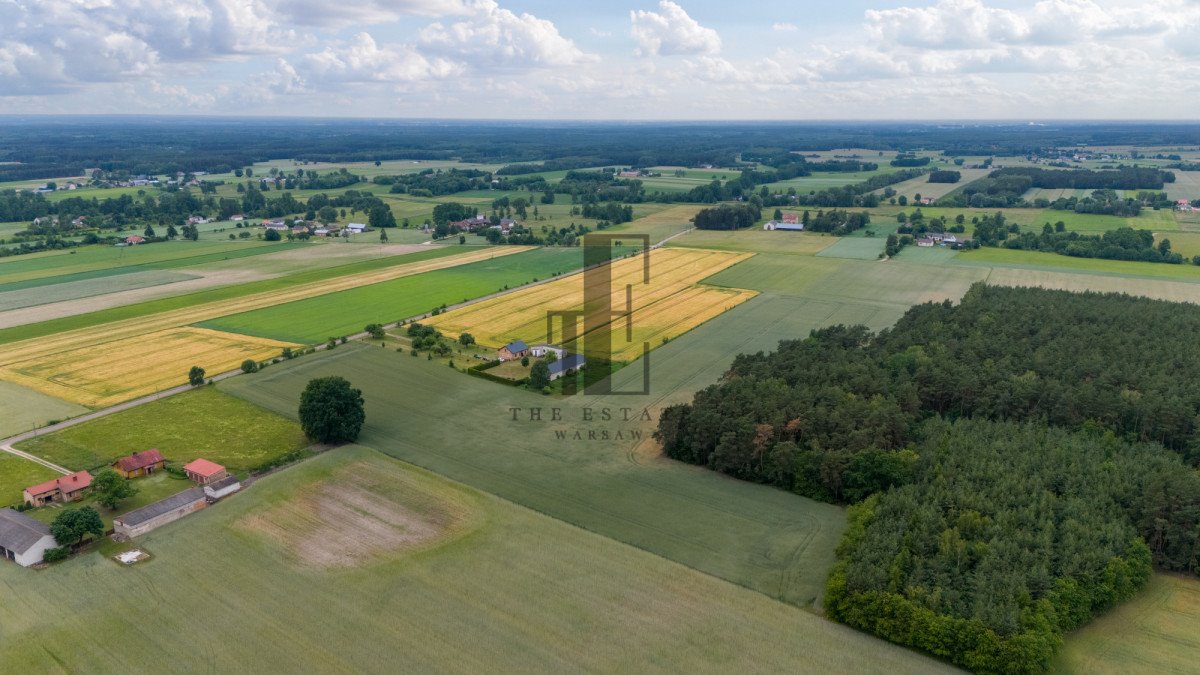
(345,313)
(25,409)
(756,241)
(1033,219)
(182,301)
(1037,260)
(16,474)
(203,423)
(91,262)
(75,290)
(859,248)
(753,535)
(1155,632)
(501,589)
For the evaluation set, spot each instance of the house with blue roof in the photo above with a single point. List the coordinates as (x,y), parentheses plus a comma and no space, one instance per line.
(514,350)
(567,365)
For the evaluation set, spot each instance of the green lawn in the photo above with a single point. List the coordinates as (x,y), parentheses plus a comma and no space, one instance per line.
(859,248)
(509,590)
(315,319)
(16,474)
(203,423)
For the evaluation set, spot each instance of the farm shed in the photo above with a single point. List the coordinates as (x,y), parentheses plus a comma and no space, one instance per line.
(143,520)
(63,489)
(542,349)
(204,472)
(566,366)
(23,540)
(222,488)
(140,464)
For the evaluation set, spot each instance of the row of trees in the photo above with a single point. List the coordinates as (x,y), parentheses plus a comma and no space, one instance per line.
(727,217)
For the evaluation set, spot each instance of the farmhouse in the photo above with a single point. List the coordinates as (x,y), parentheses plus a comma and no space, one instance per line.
(356,228)
(925,242)
(479,220)
(237,217)
(23,540)
(140,464)
(566,366)
(222,488)
(134,240)
(513,350)
(143,520)
(204,472)
(62,489)
(631,173)
(277,225)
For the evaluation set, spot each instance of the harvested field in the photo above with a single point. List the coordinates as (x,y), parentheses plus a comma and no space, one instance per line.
(669,306)
(138,365)
(362,512)
(755,241)
(661,224)
(54,364)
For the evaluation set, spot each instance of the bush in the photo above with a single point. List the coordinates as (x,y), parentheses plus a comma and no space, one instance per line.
(249,366)
(56,554)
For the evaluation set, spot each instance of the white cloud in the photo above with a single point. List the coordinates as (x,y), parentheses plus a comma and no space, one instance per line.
(671,31)
(492,35)
(325,13)
(362,60)
(784,27)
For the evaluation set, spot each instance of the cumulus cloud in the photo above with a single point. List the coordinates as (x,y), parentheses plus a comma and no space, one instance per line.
(55,45)
(492,35)
(784,27)
(361,59)
(671,31)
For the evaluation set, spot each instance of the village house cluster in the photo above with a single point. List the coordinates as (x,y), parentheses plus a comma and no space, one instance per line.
(25,540)
(562,362)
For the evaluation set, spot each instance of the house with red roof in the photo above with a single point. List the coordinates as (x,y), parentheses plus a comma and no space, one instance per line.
(140,464)
(134,240)
(203,472)
(62,489)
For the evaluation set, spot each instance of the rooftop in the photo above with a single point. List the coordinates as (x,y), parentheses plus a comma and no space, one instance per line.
(140,460)
(69,483)
(203,467)
(568,362)
(139,516)
(19,532)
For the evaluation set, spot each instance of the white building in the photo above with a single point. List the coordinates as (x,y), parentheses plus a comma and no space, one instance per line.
(356,228)
(541,349)
(23,539)
(222,488)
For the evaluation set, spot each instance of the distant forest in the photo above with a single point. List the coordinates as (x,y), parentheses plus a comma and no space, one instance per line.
(48,147)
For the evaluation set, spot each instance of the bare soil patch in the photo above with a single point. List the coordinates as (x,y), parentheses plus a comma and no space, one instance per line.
(365,511)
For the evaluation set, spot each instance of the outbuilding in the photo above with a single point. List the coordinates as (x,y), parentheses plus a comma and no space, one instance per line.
(222,488)
(23,540)
(203,472)
(143,520)
(567,365)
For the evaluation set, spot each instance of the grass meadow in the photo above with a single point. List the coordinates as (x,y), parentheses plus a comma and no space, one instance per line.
(1155,632)
(1037,260)
(16,474)
(26,409)
(508,590)
(202,423)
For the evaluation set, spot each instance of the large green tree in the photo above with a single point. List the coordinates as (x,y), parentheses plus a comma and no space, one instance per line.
(331,411)
(110,488)
(72,525)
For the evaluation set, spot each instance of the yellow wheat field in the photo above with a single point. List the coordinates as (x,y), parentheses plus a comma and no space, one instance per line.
(114,362)
(133,367)
(670,305)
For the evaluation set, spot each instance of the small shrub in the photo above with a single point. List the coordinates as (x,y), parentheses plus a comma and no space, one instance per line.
(249,366)
(57,554)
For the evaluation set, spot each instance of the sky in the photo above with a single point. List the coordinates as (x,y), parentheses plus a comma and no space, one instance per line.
(612,60)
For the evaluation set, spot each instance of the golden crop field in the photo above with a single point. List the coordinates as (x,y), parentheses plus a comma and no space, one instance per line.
(128,358)
(670,305)
(132,367)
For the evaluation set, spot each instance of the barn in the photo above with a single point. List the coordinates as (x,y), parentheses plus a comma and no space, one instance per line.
(203,472)
(23,540)
(222,488)
(143,520)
